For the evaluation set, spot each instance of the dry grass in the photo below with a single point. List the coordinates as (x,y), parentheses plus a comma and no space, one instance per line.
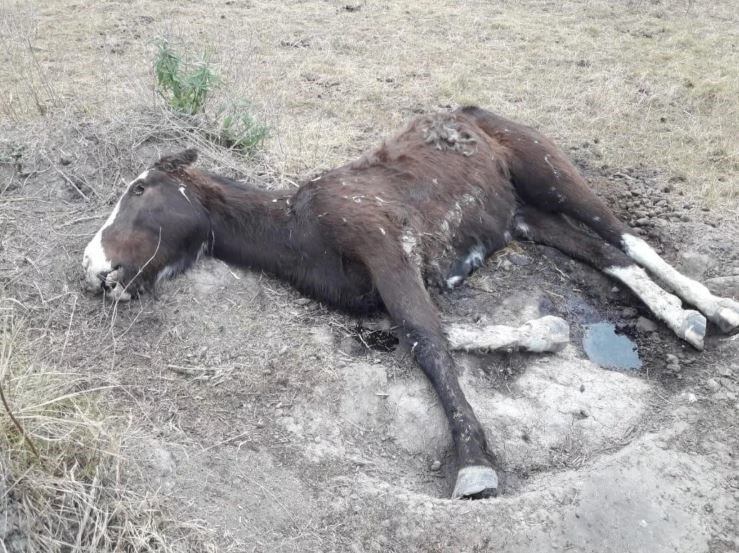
(651,83)
(62,477)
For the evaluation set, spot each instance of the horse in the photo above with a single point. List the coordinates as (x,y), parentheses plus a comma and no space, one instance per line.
(423,209)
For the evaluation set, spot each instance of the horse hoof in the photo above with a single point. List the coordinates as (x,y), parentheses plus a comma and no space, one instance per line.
(547,334)
(693,329)
(119,293)
(727,317)
(476,482)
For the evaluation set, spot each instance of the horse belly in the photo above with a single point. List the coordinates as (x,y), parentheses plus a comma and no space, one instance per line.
(471,232)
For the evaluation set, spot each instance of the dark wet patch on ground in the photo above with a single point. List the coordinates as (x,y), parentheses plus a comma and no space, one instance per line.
(610,350)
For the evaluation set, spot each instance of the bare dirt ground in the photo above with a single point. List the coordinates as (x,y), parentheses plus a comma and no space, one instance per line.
(248,418)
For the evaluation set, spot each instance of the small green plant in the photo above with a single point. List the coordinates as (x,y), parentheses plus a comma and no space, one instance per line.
(184,84)
(186,87)
(240,130)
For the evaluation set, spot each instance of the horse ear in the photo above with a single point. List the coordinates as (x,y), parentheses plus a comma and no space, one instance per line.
(173,162)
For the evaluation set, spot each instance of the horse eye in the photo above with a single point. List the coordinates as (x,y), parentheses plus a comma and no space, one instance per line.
(138,189)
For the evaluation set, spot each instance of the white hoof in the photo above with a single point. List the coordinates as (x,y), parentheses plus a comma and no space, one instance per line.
(547,334)
(727,317)
(475,482)
(693,329)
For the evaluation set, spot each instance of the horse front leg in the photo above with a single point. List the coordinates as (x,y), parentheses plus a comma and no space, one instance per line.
(409,305)
(546,334)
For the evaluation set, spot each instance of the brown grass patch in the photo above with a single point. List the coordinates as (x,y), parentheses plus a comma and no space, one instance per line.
(63,484)
(650,84)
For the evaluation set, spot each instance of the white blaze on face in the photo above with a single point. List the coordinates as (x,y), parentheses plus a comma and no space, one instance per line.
(94,260)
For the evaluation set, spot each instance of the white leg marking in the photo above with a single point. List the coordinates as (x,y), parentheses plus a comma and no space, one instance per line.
(182,191)
(476,257)
(723,312)
(540,335)
(94,260)
(524,229)
(688,325)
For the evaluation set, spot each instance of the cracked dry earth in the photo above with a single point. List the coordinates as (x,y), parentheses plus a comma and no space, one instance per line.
(266,418)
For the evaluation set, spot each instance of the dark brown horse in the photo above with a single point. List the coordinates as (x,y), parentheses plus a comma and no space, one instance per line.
(424,209)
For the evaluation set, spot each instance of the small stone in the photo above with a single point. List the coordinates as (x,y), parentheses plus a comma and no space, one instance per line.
(506,265)
(694,264)
(302,301)
(673,363)
(713,385)
(685,218)
(582,388)
(65,160)
(629,312)
(436,465)
(727,286)
(725,371)
(691,397)
(645,325)
(519,260)
(642,221)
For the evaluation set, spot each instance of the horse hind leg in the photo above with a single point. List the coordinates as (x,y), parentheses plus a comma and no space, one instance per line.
(465,265)
(582,205)
(554,230)
(591,211)
(545,178)
(724,312)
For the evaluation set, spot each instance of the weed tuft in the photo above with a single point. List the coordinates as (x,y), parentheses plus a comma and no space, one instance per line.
(239,129)
(186,86)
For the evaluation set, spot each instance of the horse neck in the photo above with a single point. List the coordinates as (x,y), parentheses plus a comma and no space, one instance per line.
(251,227)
